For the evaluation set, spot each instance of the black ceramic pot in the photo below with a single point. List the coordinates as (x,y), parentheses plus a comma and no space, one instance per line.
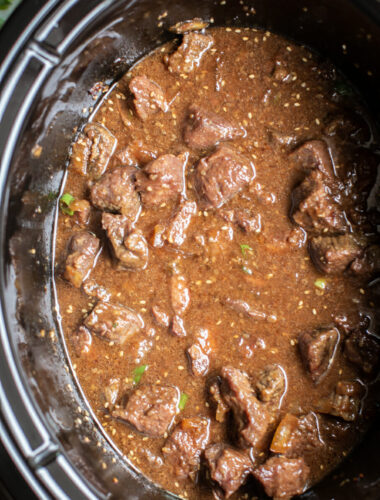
(51,53)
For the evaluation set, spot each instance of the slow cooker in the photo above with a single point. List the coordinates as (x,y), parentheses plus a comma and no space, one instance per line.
(53,54)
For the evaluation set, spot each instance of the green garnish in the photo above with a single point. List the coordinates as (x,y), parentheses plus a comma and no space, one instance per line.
(243,249)
(4,4)
(246,270)
(65,202)
(320,283)
(182,401)
(138,372)
(343,88)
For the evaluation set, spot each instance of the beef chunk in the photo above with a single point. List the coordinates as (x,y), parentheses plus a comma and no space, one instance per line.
(242,307)
(271,384)
(315,155)
(221,407)
(368,263)
(313,206)
(149,97)
(180,294)
(199,361)
(296,436)
(113,322)
(177,327)
(115,192)
(333,254)
(160,316)
(363,350)
(161,180)
(150,409)
(103,145)
(81,341)
(80,154)
(317,350)
(83,249)
(82,210)
(189,54)
(243,218)
(175,233)
(349,128)
(129,247)
(344,402)
(283,477)
(204,129)
(92,289)
(228,467)
(252,420)
(136,154)
(183,448)
(221,175)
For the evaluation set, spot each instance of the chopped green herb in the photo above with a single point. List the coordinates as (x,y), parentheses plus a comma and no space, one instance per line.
(320,283)
(65,202)
(243,249)
(343,88)
(246,270)
(4,4)
(182,401)
(138,372)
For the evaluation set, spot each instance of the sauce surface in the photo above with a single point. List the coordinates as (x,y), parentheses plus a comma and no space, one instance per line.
(215,301)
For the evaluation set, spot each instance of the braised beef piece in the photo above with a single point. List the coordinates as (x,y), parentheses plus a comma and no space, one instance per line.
(368,263)
(92,289)
(189,54)
(93,150)
(175,232)
(161,180)
(222,175)
(177,327)
(228,467)
(344,402)
(315,155)
(111,392)
(199,361)
(204,129)
(363,350)
(129,246)
(252,420)
(271,384)
(115,192)
(150,409)
(82,252)
(82,210)
(179,293)
(317,350)
(136,154)
(216,398)
(81,341)
(161,317)
(313,207)
(149,97)
(113,322)
(283,477)
(350,127)
(243,218)
(242,307)
(183,448)
(297,436)
(333,254)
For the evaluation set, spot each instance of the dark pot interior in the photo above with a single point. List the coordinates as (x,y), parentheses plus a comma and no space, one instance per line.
(48,427)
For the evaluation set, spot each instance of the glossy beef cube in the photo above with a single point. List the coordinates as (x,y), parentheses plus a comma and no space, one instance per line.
(252,420)
(318,350)
(149,97)
(81,341)
(228,467)
(344,402)
(283,477)
(83,249)
(244,218)
(150,409)
(189,54)
(222,175)
(183,448)
(271,384)
(113,322)
(102,146)
(199,361)
(115,192)
(363,350)
(315,155)
(333,254)
(314,208)
(161,180)
(204,129)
